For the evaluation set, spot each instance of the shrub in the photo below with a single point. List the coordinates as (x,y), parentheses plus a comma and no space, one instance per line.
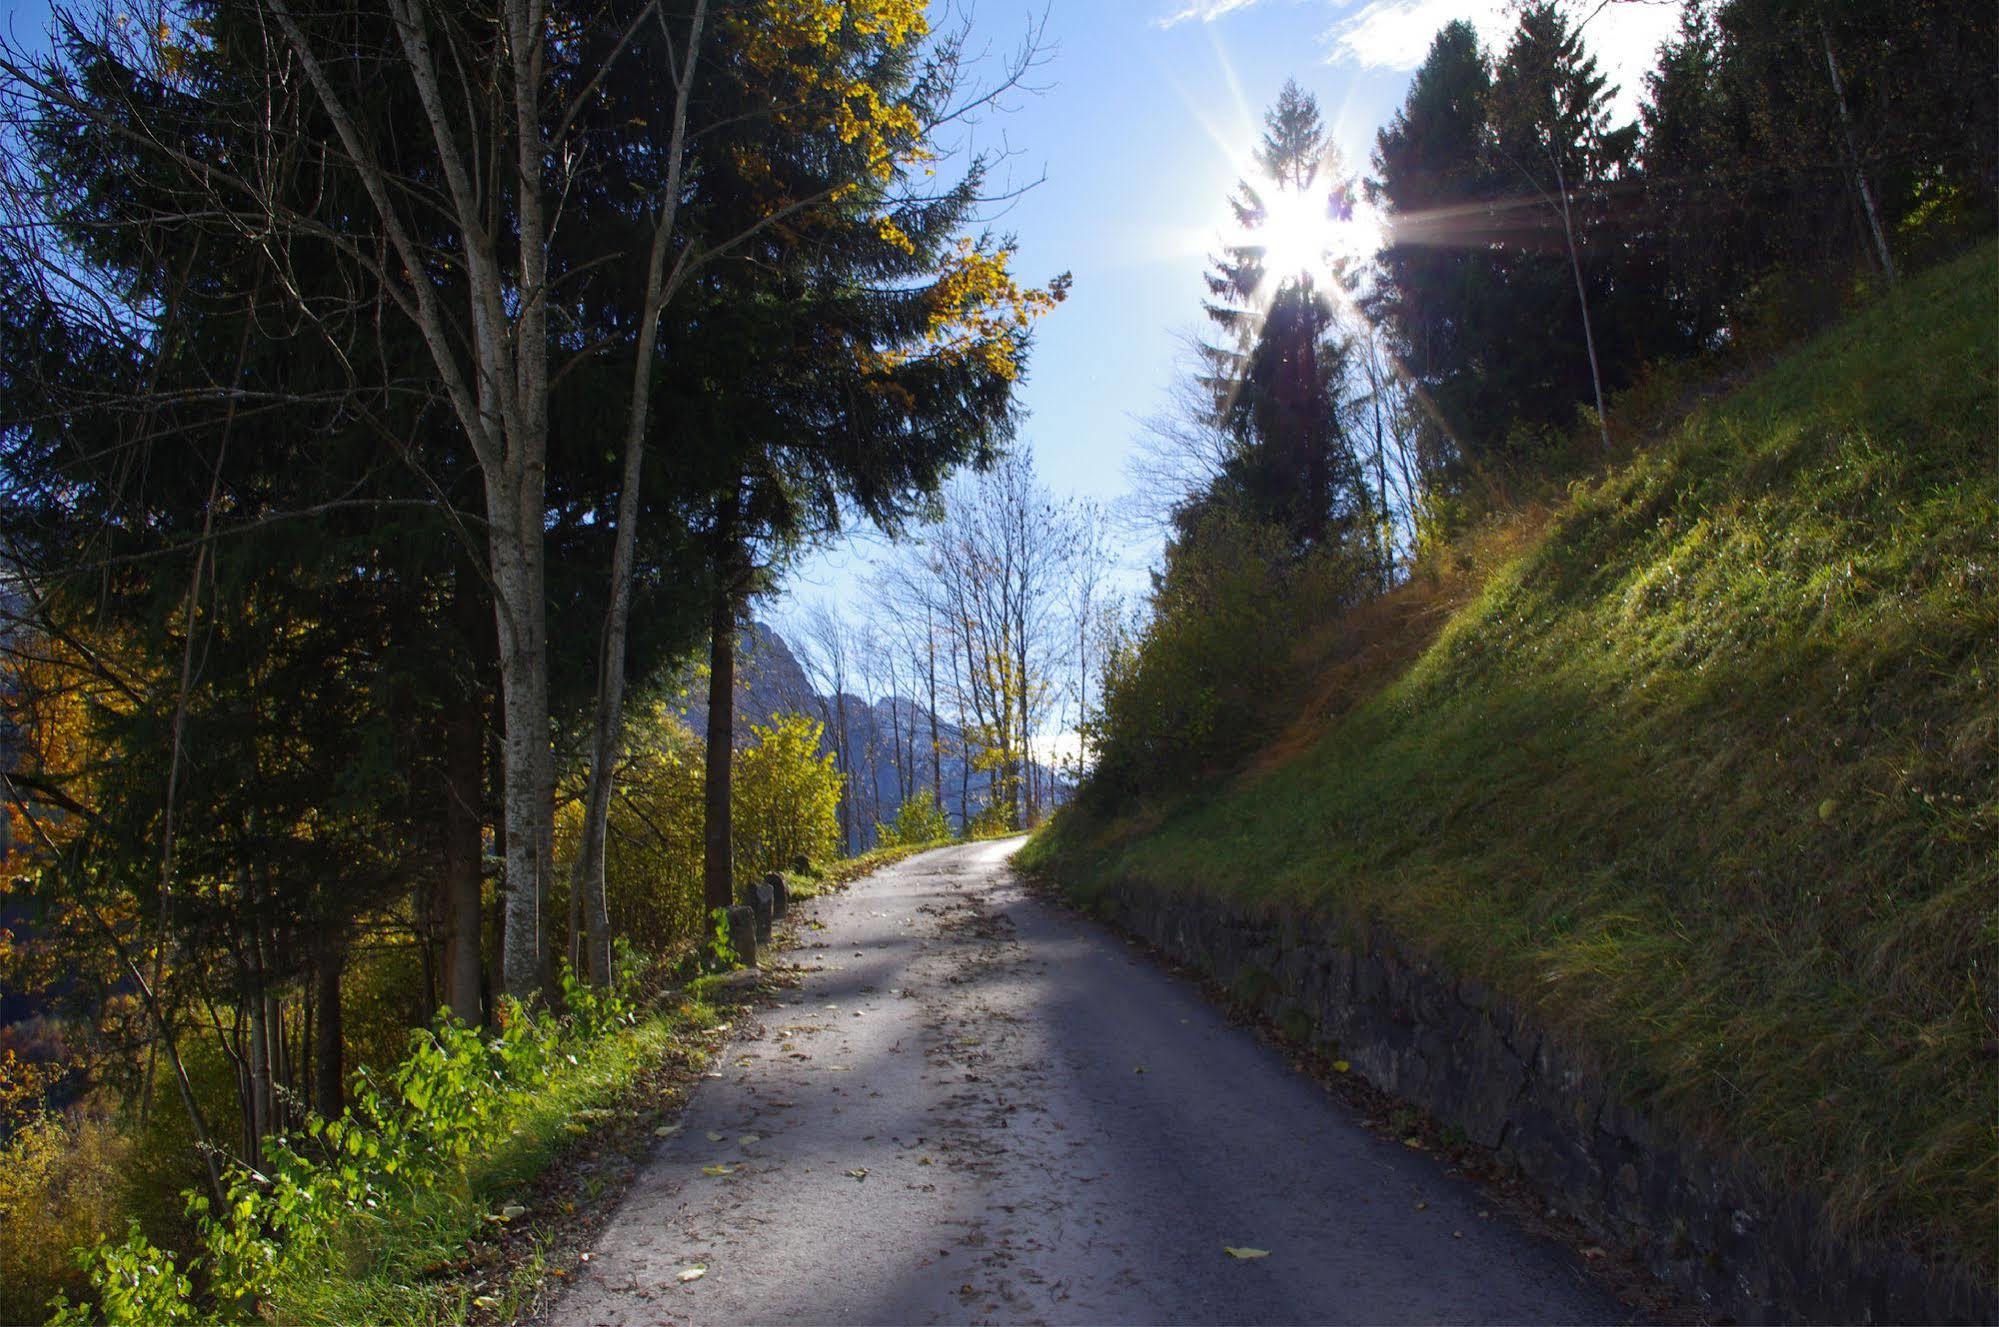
(1193,688)
(414,1130)
(785,802)
(652,859)
(62,1187)
(786,797)
(918,820)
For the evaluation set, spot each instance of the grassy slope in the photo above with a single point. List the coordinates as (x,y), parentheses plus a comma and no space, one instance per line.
(1708,775)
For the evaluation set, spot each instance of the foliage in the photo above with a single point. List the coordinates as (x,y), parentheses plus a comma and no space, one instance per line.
(919,820)
(786,797)
(290,1217)
(652,861)
(1193,689)
(1703,778)
(63,1186)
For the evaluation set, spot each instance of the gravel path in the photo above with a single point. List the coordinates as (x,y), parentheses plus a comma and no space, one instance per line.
(980,1108)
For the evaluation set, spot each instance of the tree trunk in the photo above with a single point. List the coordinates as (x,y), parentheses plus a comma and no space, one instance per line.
(1582,301)
(718,875)
(1853,156)
(936,747)
(458,911)
(845,761)
(328,1071)
(527,760)
(257,1119)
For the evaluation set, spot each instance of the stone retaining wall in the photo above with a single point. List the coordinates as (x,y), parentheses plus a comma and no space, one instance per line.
(1702,1222)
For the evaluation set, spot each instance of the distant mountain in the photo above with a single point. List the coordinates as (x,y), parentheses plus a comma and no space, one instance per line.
(888,743)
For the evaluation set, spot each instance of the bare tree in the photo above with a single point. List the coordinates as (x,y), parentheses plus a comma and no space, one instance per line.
(1002,557)
(1181,449)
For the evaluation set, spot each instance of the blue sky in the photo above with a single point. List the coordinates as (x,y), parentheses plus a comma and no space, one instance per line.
(1144,113)
(1146,110)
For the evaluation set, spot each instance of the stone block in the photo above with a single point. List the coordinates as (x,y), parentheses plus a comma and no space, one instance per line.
(780,895)
(742,927)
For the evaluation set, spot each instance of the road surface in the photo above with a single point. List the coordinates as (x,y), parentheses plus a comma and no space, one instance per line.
(981,1108)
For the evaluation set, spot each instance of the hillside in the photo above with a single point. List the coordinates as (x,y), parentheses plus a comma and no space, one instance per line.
(1705,774)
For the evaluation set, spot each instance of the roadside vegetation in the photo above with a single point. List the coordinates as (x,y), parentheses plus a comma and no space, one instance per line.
(1699,768)
(1598,586)
(364,536)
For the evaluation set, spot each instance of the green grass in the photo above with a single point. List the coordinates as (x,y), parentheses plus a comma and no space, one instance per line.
(408,1268)
(849,869)
(1707,777)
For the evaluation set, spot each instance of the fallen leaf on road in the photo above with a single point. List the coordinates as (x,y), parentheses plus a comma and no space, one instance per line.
(1341,1066)
(1414,1142)
(749,1138)
(718,1170)
(1593,1252)
(666,1131)
(485,1301)
(1139,1070)
(1234,1252)
(924,1161)
(1422,1207)
(859,1172)
(714,1137)
(694,1273)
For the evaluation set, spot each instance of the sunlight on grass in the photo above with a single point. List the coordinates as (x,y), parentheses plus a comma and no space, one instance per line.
(1707,776)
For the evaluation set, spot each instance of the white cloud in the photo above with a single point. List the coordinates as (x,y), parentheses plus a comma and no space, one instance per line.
(1396,34)
(1200,11)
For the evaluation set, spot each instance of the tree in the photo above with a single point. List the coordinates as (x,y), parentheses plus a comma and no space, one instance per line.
(1437,276)
(451,233)
(1685,142)
(1002,557)
(1550,117)
(1279,377)
(843,362)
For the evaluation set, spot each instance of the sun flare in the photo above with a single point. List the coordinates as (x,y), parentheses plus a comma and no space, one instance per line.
(1309,233)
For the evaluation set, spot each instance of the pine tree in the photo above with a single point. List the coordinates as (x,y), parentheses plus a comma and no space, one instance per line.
(1438,285)
(1279,376)
(1557,150)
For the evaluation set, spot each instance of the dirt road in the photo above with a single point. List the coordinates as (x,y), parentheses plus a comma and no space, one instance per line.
(980,1108)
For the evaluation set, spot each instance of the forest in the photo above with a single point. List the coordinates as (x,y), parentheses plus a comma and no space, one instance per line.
(408,414)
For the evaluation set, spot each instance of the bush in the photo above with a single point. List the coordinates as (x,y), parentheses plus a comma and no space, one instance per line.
(62,1187)
(918,820)
(785,803)
(1193,689)
(452,1097)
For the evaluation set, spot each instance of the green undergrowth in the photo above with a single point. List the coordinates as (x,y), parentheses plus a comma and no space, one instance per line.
(375,1217)
(1707,777)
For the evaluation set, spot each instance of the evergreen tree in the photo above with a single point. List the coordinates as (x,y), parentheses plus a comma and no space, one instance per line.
(1280,375)
(1557,152)
(1437,289)
(848,359)
(1685,147)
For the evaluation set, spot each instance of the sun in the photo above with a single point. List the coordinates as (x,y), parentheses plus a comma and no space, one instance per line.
(1309,233)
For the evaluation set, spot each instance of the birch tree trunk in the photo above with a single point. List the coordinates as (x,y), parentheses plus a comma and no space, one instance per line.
(1860,183)
(607,726)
